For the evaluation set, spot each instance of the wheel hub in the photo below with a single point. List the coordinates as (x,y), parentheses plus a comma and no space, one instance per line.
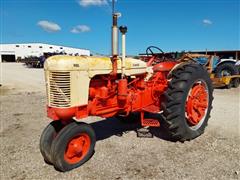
(197,104)
(77,148)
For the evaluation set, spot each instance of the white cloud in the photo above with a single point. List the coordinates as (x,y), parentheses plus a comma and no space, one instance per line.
(49,26)
(207,22)
(80,29)
(86,3)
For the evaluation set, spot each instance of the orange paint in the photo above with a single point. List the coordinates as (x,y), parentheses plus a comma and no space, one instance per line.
(196,104)
(77,148)
(164,66)
(109,96)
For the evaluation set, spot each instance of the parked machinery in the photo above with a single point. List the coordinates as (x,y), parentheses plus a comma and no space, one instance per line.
(78,87)
(223,72)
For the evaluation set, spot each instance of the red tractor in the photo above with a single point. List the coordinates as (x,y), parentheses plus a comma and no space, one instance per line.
(78,87)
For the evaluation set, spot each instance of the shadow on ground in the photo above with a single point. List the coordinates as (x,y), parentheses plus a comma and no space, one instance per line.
(114,127)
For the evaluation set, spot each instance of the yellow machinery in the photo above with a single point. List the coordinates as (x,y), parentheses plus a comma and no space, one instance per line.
(225,81)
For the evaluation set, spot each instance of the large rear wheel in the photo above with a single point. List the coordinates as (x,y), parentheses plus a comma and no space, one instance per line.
(187,102)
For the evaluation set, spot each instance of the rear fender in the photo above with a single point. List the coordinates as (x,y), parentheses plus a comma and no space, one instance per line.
(164,66)
(178,65)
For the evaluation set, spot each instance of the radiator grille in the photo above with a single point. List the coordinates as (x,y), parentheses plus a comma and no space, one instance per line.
(60,92)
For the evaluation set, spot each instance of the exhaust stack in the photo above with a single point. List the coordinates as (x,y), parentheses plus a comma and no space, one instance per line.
(115,35)
(115,43)
(123,30)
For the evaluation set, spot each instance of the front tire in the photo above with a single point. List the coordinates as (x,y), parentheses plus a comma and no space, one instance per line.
(73,146)
(187,102)
(46,139)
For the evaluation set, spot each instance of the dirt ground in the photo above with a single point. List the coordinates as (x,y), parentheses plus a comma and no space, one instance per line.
(119,153)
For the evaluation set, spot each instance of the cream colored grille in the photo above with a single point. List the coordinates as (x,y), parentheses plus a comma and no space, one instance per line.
(60,92)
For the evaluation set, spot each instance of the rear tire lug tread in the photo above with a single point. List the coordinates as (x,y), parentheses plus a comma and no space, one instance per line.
(172,118)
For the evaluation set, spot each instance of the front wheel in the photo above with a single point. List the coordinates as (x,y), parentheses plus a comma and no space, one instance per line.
(47,137)
(236,82)
(187,102)
(73,146)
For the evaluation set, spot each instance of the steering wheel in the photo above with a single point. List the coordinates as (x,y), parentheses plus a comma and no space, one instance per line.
(149,50)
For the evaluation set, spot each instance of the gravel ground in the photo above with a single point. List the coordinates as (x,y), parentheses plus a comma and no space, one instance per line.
(119,153)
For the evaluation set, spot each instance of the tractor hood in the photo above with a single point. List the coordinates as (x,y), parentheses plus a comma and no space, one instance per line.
(88,63)
(71,76)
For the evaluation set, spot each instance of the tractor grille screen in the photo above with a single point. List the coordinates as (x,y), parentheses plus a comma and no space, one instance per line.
(60,92)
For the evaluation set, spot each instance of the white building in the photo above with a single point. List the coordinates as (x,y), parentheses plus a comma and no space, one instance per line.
(12,52)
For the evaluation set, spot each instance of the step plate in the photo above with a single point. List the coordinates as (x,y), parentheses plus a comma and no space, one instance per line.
(150,122)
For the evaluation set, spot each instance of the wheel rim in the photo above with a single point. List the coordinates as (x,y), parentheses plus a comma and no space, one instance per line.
(226,72)
(197,104)
(77,148)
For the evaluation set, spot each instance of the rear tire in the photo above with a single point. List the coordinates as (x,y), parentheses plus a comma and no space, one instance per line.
(73,146)
(226,69)
(187,102)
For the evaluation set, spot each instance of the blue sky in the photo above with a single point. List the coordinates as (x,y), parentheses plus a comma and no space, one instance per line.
(170,24)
